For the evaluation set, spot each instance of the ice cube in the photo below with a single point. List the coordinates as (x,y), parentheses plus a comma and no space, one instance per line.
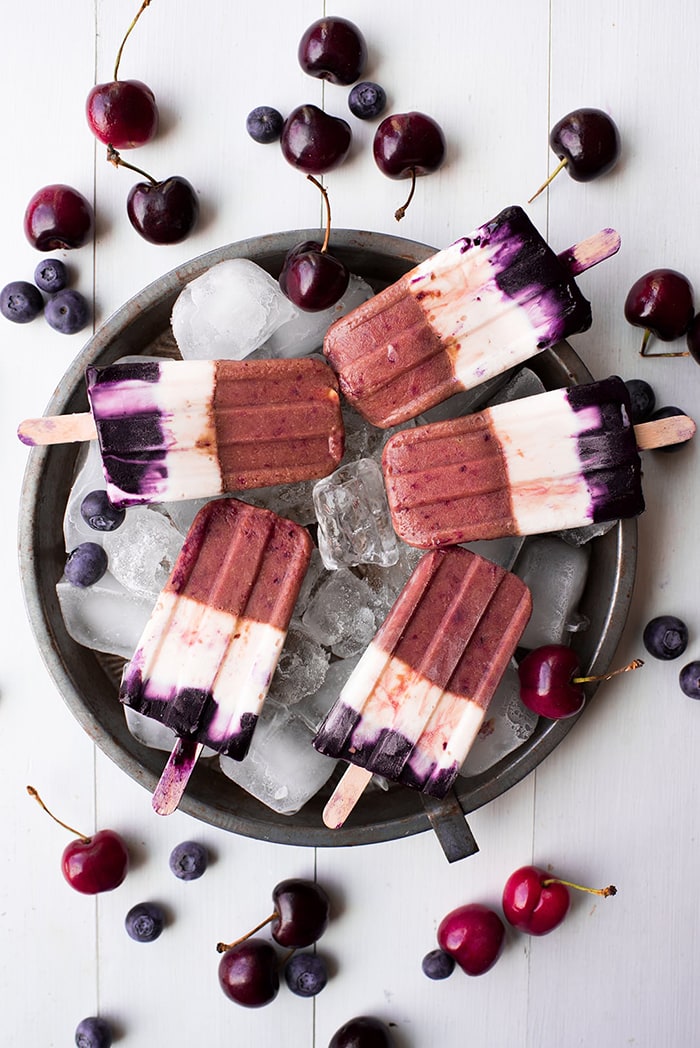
(506,726)
(385,583)
(143,551)
(555,573)
(152,733)
(281,769)
(294,501)
(313,708)
(88,477)
(301,670)
(315,572)
(303,332)
(339,614)
(354,524)
(228,311)
(105,616)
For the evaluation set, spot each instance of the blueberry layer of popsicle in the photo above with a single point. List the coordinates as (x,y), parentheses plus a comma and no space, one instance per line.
(412,707)
(471,311)
(561,459)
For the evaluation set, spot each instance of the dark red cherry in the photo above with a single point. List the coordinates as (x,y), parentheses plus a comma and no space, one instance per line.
(589,141)
(163,212)
(364,1031)
(547,684)
(407,145)
(313,141)
(474,936)
(536,902)
(313,279)
(249,973)
(58,216)
(122,113)
(333,49)
(660,302)
(302,911)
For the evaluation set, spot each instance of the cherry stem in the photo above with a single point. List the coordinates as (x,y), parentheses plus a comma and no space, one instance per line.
(645,342)
(222,947)
(114,157)
(324,194)
(401,211)
(140,11)
(560,166)
(35,794)
(633,665)
(605,892)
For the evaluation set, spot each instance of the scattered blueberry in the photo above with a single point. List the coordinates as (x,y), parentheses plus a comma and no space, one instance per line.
(689,679)
(93,1033)
(642,398)
(264,124)
(20,302)
(144,922)
(188,860)
(367,100)
(51,276)
(437,964)
(86,564)
(665,637)
(67,312)
(99,513)
(668,412)
(306,974)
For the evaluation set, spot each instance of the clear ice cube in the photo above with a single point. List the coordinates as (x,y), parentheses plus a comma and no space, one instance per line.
(313,708)
(303,332)
(339,615)
(143,551)
(506,726)
(106,616)
(152,733)
(228,311)
(294,501)
(301,670)
(555,573)
(354,524)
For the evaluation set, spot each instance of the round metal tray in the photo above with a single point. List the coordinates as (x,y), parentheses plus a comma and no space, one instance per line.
(88,683)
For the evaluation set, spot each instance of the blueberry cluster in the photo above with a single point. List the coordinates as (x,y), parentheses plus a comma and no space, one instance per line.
(65,309)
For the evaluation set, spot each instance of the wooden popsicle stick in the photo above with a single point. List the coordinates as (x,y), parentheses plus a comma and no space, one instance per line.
(580,257)
(57,429)
(345,796)
(176,774)
(664,431)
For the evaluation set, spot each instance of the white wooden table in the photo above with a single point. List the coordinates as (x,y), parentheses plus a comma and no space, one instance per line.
(618,800)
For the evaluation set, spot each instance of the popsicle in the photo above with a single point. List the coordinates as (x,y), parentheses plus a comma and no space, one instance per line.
(206,657)
(470,312)
(556,460)
(414,703)
(175,429)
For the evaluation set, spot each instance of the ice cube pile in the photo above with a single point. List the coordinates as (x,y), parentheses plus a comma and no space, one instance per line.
(233,311)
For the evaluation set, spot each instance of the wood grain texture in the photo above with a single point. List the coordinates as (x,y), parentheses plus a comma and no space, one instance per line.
(618,800)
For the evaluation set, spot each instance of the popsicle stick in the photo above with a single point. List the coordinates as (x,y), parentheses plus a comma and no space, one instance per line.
(176,774)
(345,796)
(57,429)
(595,249)
(664,431)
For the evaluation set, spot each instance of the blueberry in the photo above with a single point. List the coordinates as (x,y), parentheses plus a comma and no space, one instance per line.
(86,564)
(51,275)
(93,1033)
(67,312)
(99,513)
(264,124)
(306,974)
(188,860)
(689,680)
(668,412)
(642,398)
(437,964)
(20,302)
(144,922)
(367,100)
(665,637)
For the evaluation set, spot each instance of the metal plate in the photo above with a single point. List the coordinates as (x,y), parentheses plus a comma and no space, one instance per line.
(88,681)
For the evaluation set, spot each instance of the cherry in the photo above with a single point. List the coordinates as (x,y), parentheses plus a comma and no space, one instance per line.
(661,302)
(407,145)
(311,277)
(364,1031)
(161,212)
(550,684)
(474,936)
(535,902)
(123,113)
(91,864)
(314,141)
(58,216)
(249,973)
(333,49)
(587,143)
(300,916)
